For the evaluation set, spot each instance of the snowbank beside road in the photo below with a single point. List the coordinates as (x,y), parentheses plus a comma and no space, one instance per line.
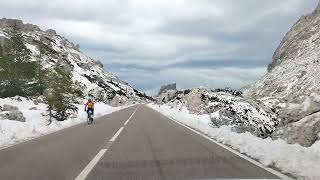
(13,132)
(299,161)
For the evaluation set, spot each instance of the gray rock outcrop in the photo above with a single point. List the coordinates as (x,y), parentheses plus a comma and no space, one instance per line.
(165,88)
(9,23)
(7,107)
(167,96)
(295,67)
(51,32)
(305,132)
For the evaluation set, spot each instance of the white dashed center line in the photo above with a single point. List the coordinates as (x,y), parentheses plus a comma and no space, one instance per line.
(85,172)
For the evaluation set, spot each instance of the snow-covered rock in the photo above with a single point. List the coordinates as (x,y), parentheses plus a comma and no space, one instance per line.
(7,107)
(167,96)
(16,116)
(304,132)
(194,101)
(224,108)
(242,114)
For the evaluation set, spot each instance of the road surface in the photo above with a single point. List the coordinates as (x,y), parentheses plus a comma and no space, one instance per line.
(136,143)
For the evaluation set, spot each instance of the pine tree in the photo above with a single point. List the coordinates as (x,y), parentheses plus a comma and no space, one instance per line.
(16,70)
(41,73)
(62,94)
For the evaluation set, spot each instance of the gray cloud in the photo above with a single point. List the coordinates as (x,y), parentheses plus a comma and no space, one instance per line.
(148,43)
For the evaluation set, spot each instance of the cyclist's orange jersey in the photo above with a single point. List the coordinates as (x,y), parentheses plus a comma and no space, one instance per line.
(90,104)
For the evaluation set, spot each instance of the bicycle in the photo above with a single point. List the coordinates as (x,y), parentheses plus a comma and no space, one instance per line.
(89,117)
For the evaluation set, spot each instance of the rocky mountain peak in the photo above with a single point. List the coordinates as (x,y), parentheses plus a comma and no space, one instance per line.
(10,23)
(168,87)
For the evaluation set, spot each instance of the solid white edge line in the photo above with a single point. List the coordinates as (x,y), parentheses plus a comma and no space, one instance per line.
(116,135)
(277,173)
(91,165)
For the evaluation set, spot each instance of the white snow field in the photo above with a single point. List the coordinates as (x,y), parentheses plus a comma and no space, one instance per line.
(36,125)
(302,162)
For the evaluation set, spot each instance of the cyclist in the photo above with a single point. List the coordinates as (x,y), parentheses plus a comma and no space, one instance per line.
(89,106)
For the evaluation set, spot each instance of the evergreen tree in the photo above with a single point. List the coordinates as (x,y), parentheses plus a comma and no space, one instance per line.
(62,94)
(41,73)
(16,70)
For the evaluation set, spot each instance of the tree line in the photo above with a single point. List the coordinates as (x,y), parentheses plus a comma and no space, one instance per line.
(20,75)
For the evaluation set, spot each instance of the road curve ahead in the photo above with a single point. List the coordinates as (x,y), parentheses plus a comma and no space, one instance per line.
(136,143)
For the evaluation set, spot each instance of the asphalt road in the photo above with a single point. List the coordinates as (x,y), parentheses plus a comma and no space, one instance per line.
(131,144)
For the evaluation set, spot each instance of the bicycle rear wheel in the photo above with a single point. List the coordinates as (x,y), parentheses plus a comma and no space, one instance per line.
(89,118)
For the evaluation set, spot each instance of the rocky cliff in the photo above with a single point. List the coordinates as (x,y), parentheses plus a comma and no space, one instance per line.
(292,85)
(295,69)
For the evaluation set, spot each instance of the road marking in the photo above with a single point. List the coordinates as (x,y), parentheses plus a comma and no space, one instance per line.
(131,116)
(91,165)
(54,132)
(116,135)
(277,173)
(85,172)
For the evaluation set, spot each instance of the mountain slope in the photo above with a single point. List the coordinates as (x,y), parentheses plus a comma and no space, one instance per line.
(89,73)
(295,69)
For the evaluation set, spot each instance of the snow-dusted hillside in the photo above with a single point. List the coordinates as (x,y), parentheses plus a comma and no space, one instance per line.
(90,73)
(295,69)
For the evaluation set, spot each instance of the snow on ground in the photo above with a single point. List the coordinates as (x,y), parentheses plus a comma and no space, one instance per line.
(13,132)
(302,162)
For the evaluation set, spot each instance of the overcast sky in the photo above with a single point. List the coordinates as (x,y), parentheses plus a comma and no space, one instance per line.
(148,43)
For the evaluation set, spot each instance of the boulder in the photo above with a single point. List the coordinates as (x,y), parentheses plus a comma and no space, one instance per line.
(7,107)
(194,100)
(14,116)
(116,101)
(304,132)
(299,108)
